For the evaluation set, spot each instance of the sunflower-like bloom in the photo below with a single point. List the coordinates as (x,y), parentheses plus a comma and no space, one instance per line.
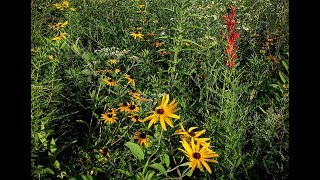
(113,61)
(124,107)
(109,117)
(190,134)
(164,112)
(109,81)
(135,94)
(130,79)
(61,36)
(134,118)
(117,71)
(59,25)
(136,35)
(198,157)
(142,138)
(132,108)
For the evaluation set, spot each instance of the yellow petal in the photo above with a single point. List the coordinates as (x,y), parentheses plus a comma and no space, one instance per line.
(163,100)
(192,128)
(199,165)
(187,147)
(193,145)
(173,116)
(154,120)
(193,164)
(149,117)
(185,152)
(163,125)
(206,166)
(181,126)
(211,160)
(166,101)
(199,133)
(168,121)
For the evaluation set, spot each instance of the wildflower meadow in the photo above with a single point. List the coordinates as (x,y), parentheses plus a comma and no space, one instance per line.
(159,89)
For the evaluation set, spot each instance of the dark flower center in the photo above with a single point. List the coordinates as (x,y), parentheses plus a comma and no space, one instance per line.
(132,107)
(192,133)
(131,77)
(109,115)
(196,155)
(160,111)
(143,136)
(136,117)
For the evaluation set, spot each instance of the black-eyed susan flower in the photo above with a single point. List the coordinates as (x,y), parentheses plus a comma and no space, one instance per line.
(50,57)
(65,4)
(130,79)
(198,157)
(163,52)
(273,59)
(142,138)
(191,134)
(158,43)
(113,61)
(124,107)
(59,25)
(136,35)
(109,118)
(116,71)
(59,37)
(135,94)
(132,108)
(109,81)
(104,152)
(134,118)
(163,112)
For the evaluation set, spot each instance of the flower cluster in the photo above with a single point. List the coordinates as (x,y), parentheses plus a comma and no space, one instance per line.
(231,37)
(196,149)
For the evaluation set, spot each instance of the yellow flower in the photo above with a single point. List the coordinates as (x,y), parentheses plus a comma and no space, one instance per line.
(158,43)
(198,157)
(65,4)
(59,25)
(109,81)
(132,108)
(124,107)
(142,138)
(163,112)
(151,34)
(50,57)
(117,71)
(113,61)
(141,6)
(163,52)
(61,36)
(190,134)
(104,152)
(135,94)
(130,79)
(109,118)
(136,35)
(134,118)
(273,59)
(58,6)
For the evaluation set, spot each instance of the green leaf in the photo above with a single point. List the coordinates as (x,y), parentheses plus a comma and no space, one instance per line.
(135,149)
(282,76)
(83,177)
(127,173)
(166,159)
(56,164)
(189,41)
(48,171)
(149,175)
(284,63)
(53,147)
(159,167)
(185,164)
(42,138)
